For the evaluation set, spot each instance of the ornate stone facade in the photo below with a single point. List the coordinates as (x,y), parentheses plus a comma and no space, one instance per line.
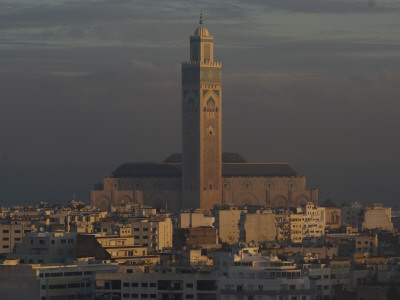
(201,124)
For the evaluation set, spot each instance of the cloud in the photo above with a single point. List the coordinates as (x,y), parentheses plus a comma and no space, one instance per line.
(140,65)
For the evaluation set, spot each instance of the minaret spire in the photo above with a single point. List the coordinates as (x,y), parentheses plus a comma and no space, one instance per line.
(201,18)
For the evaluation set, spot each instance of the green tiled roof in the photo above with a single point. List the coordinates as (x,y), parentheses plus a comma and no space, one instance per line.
(227,157)
(147,170)
(233,165)
(257,169)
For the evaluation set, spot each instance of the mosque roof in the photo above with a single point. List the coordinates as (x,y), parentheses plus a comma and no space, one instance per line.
(227,157)
(328,203)
(233,165)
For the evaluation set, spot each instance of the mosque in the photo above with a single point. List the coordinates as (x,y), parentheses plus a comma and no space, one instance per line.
(202,176)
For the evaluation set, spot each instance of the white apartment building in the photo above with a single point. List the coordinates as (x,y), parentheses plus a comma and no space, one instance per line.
(154,233)
(70,281)
(157,282)
(250,276)
(308,222)
(196,219)
(45,247)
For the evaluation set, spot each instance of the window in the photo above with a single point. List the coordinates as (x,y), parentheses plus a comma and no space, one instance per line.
(125,295)
(153,296)
(144,284)
(189,285)
(145,237)
(135,284)
(135,229)
(17,239)
(5,246)
(144,296)
(153,284)
(145,229)
(17,231)
(292,287)
(43,287)
(5,231)
(126,284)
(63,241)
(134,295)
(189,296)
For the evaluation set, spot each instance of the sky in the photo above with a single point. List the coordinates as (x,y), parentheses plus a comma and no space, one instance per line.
(86,85)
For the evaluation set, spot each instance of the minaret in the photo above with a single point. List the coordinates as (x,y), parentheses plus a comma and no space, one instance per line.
(201,124)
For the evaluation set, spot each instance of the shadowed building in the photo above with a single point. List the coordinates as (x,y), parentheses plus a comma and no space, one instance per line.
(203,176)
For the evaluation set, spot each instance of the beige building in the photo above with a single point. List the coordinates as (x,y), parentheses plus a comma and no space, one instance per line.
(227,222)
(377,217)
(366,244)
(202,176)
(259,226)
(10,235)
(196,219)
(308,222)
(154,233)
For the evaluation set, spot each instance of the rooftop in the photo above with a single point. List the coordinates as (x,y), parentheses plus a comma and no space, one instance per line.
(233,165)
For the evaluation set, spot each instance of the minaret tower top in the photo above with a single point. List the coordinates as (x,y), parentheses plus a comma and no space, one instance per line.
(201,44)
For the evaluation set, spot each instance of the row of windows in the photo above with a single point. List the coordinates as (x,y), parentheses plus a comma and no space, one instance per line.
(151,296)
(142,296)
(79,296)
(61,274)
(15,239)
(15,231)
(63,241)
(143,284)
(282,274)
(261,298)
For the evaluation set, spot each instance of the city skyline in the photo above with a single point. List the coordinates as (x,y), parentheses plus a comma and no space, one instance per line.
(86,87)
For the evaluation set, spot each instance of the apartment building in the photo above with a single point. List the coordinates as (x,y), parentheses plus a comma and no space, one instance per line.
(12,234)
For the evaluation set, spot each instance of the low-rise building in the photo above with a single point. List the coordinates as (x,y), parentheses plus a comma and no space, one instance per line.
(45,247)
(12,234)
(377,217)
(257,277)
(307,222)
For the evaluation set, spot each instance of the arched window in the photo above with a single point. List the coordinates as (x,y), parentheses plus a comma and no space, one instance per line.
(190,107)
(210,108)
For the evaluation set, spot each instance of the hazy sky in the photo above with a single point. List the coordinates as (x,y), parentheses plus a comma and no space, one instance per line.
(88,85)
